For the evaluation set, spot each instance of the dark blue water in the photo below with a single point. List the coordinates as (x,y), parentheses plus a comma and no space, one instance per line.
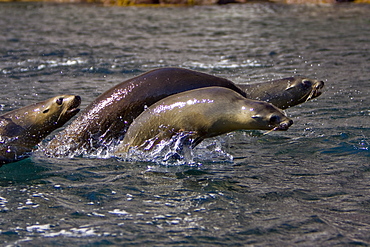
(309,186)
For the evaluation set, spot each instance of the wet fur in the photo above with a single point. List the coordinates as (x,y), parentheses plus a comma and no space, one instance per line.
(22,129)
(215,111)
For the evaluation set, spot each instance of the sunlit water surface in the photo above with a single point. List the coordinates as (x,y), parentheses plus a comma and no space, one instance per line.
(309,186)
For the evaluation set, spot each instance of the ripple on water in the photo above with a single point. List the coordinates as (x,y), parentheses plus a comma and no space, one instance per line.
(306,186)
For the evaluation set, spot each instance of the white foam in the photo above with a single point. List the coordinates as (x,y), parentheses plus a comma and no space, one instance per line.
(118,212)
(38,228)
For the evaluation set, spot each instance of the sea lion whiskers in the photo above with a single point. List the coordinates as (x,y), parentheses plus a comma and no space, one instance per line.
(312,93)
(61,114)
(282,126)
(315,91)
(271,130)
(309,97)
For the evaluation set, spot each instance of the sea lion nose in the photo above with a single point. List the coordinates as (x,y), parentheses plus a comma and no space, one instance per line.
(320,85)
(285,125)
(290,122)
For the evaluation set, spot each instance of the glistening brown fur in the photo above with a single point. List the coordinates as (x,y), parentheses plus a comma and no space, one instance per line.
(201,113)
(286,92)
(107,118)
(22,129)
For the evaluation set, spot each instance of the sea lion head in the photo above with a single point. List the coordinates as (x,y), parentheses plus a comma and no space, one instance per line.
(304,88)
(264,116)
(45,116)
(286,92)
(57,110)
(22,129)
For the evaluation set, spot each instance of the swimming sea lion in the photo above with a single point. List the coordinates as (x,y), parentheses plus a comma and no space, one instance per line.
(107,118)
(201,113)
(22,129)
(284,93)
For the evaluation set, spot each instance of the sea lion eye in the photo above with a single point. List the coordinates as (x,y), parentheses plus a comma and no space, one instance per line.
(274,119)
(59,101)
(46,111)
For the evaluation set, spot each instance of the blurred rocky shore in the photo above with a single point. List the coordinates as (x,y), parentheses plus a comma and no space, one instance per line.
(188,2)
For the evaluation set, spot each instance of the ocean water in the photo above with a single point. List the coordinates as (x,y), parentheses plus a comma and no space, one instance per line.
(308,186)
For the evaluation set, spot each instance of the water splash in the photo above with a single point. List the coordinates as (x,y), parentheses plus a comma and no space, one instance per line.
(175,151)
(178,151)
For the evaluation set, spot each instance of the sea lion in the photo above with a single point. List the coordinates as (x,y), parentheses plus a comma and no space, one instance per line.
(107,118)
(22,129)
(284,93)
(201,113)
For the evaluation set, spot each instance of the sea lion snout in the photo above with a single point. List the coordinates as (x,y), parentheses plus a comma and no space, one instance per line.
(316,89)
(320,85)
(75,103)
(69,104)
(275,120)
(285,125)
(78,99)
(314,84)
(280,122)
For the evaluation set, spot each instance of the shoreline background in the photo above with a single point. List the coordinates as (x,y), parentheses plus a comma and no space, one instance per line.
(167,3)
